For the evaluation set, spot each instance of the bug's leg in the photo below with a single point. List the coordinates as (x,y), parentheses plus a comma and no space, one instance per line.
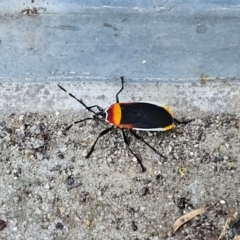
(81,101)
(141,139)
(83,120)
(99,136)
(122,81)
(182,122)
(127,144)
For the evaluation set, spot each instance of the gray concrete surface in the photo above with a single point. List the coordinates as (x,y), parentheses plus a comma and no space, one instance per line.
(179,53)
(185,99)
(179,42)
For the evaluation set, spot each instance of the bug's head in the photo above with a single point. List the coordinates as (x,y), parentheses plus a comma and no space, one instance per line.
(101,115)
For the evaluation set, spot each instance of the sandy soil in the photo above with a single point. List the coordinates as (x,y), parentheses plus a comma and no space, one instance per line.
(49,190)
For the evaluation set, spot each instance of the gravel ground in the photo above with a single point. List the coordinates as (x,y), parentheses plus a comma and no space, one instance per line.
(50,191)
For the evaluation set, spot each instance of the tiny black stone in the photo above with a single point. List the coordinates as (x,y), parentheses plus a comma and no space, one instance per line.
(2,224)
(134,226)
(59,226)
(61,155)
(145,191)
(159,177)
(218,159)
(70,180)
(181,203)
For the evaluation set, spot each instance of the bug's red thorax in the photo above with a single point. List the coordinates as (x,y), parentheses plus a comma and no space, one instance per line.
(114,114)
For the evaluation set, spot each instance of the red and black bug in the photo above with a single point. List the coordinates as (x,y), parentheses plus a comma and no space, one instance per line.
(142,116)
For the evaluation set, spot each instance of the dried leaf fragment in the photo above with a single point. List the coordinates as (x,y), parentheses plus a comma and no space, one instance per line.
(182,171)
(187,217)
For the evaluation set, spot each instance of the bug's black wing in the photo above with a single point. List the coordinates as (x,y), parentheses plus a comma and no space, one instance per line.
(145,115)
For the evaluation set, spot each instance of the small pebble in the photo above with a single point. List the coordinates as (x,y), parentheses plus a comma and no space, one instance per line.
(38,211)
(149,134)
(70,180)
(63,149)
(62,209)
(134,226)
(134,159)
(85,153)
(150,185)
(2,224)
(46,186)
(59,226)
(21,118)
(222,201)
(88,223)
(39,156)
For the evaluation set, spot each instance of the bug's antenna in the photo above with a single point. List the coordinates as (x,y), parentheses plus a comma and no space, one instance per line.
(122,81)
(127,144)
(81,101)
(141,139)
(99,136)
